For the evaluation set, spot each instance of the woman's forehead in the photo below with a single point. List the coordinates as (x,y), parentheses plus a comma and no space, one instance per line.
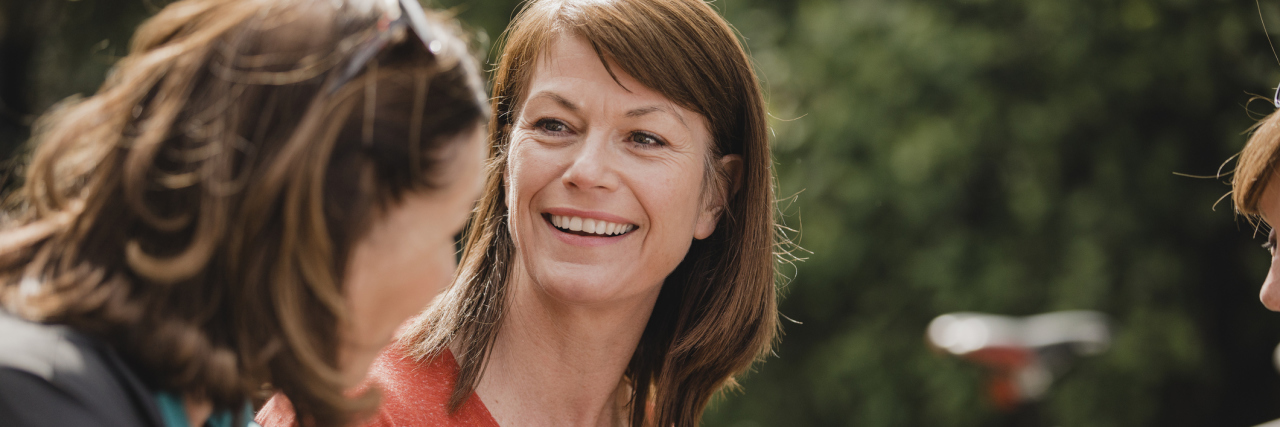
(571,73)
(571,56)
(1269,203)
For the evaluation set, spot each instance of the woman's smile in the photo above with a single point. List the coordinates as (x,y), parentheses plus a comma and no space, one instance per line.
(596,228)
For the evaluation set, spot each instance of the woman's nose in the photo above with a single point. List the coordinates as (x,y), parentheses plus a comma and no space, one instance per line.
(592,166)
(1270,294)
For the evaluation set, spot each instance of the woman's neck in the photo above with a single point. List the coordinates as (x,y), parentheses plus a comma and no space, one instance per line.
(558,364)
(198,410)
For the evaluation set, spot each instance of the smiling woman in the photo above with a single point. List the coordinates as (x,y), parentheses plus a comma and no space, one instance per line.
(621,266)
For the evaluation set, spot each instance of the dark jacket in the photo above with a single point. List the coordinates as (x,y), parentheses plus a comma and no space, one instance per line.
(53,376)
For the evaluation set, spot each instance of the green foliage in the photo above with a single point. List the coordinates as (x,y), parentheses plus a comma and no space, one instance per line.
(1002,156)
(1010,157)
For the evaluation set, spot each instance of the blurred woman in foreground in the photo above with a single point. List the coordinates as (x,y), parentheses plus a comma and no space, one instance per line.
(620,270)
(260,194)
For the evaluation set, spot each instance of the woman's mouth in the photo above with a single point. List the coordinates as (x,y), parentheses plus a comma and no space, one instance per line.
(587,226)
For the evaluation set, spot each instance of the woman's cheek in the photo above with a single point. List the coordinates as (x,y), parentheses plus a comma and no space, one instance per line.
(532,167)
(676,192)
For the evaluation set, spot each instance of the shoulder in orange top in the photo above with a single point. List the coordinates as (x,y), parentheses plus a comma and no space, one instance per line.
(413,394)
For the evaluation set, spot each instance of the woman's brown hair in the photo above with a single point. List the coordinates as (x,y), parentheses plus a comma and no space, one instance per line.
(716,313)
(1256,165)
(196,213)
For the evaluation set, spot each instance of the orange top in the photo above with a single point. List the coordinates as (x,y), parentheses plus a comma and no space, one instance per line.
(413,394)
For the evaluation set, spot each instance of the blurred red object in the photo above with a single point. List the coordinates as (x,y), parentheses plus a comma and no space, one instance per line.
(1023,354)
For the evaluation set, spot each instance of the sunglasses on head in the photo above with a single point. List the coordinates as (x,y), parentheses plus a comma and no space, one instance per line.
(409,16)
(1276,99)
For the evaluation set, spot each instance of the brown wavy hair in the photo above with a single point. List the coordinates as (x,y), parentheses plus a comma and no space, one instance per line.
(196,213)
(716,313)
(1256,164)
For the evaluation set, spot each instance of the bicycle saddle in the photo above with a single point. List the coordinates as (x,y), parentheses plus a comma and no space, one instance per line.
(1025,353)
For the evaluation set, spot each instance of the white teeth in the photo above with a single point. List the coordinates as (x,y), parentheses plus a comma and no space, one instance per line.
(589,225)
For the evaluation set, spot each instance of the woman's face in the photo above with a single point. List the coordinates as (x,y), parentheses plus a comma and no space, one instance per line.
(1270,209)
(407,257)
(604,182)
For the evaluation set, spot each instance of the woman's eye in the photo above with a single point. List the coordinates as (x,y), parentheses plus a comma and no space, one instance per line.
(646,139)
(1270,246)
(552,125)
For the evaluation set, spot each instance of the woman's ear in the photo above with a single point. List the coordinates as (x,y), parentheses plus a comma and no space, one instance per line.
(732,167)
(727,184)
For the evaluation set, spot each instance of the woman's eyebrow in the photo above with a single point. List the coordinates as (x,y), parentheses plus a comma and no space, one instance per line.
(559,99)
(654,109)
(636,112)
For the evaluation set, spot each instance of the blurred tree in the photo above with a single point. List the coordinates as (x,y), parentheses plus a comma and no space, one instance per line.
(1013,157)
(977,155)
(50,50)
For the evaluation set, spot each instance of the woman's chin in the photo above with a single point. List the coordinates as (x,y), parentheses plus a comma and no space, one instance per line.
(588,287)
(579,291)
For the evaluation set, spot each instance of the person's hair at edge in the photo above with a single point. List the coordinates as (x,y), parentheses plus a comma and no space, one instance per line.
(1256,165)
(196,213)
(716,313)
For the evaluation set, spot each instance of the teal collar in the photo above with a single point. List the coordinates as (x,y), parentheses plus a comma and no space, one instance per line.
(174,413)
